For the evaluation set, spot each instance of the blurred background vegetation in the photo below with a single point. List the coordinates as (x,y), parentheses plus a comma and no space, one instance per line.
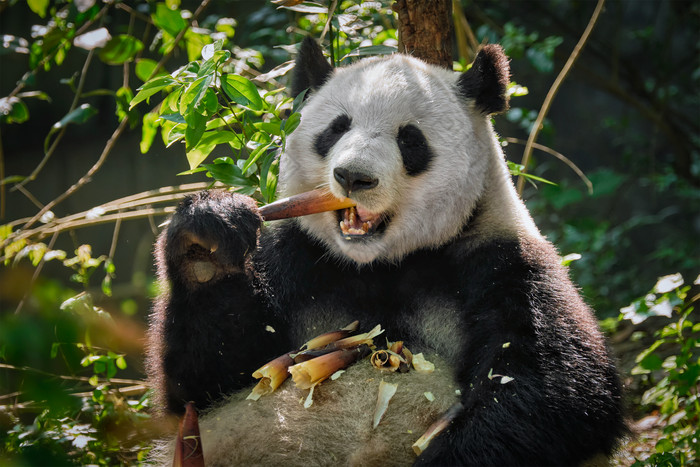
(87,175)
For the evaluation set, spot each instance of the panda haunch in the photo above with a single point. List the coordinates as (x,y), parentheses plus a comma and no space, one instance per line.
(440,251)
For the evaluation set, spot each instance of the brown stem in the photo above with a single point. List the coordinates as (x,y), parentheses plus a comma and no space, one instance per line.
(527,153)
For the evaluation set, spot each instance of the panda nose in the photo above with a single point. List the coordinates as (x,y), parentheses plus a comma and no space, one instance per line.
(354,181)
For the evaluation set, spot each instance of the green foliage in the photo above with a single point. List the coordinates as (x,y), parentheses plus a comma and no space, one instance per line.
(672,365)
(68,381)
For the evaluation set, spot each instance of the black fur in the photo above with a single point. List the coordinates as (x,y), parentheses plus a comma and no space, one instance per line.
(311,69)
(415,150)
(333,132)
(519,314)
(486,82)
(201,332)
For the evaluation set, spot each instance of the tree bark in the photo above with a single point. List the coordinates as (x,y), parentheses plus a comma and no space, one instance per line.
(425,30)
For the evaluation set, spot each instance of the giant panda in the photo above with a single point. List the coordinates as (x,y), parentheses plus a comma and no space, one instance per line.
(441,252)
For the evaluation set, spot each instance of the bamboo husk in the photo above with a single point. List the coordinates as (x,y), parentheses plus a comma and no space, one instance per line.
(312,372)
(395,358)
(311,202)
(386,392)
(188,445)
(436,428)
(271,376)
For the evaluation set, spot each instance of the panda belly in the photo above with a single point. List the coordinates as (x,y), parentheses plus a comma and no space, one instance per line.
(336,429)
(428,323)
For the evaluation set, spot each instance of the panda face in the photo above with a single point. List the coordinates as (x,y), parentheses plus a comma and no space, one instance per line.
(394,135)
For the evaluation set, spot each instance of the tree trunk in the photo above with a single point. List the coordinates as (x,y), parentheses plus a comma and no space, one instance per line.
(425,30)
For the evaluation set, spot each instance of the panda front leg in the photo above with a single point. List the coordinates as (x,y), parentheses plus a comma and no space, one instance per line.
(209,331)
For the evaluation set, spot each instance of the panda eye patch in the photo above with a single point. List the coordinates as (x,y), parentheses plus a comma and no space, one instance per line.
(333,132)
(415,151)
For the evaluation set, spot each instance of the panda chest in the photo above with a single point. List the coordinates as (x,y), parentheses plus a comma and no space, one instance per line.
(422,312)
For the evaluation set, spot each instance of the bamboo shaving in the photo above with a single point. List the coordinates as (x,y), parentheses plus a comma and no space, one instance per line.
(421,365)
(386,392)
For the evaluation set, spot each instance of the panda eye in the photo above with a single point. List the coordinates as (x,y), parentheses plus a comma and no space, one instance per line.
(414,149)
(411,137)
(333,132)
(341,124)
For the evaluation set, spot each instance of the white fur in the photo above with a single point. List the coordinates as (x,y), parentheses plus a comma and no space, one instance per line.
(430,209)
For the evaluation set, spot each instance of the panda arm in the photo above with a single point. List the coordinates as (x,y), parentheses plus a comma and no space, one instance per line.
(538,387)
(209,331)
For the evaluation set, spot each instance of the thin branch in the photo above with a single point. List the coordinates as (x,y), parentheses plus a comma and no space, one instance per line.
(44,231)
(559,156)
(115,237)
(54,144)
(85,179)
(30,197)
(6,366)
(554,89)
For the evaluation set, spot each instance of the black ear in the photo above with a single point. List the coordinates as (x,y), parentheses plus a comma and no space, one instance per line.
(311,69)
(487,80)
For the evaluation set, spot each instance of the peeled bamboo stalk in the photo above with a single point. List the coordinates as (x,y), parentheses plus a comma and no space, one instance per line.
(312,372)
(271,376)
(437,428)
(303,204)
(328,337)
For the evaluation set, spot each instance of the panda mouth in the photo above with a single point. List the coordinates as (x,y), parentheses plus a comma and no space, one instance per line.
(356,223)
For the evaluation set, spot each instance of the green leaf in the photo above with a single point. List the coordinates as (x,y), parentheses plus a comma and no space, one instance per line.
(242,91)
(38,6)
(207,143)
(254,156)
(196,125)
(13,110)
(152,87)
(175,117)
(292,122)
(121,363)
(664,445)
(230,174)
(651,362)
(149,129)
(146,69)
(120,49)
(268,177)
(169,20)
(80,115)
(192,98)
(123,97)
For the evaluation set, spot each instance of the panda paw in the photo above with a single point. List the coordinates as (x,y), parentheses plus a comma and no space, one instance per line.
(210,236)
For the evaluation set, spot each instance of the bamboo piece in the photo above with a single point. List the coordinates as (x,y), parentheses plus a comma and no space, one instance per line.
(188,446)
(271,376)
(312,372)
(436,428)
(329,337)
(303,204)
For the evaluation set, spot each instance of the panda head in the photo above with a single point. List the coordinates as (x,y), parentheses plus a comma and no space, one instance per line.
(409,142)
